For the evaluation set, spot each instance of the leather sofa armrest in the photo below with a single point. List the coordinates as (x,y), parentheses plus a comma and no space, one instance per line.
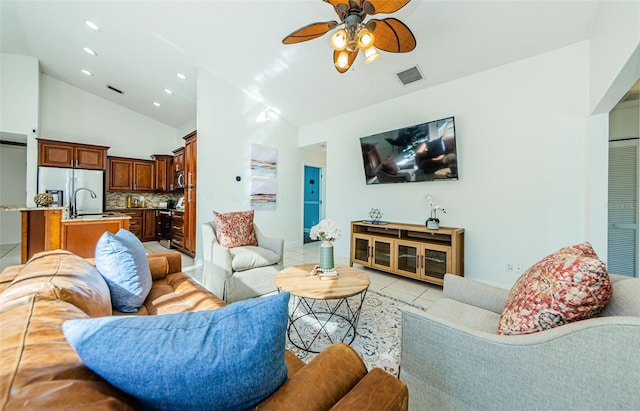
(163,263)
(378,390)
(321,383)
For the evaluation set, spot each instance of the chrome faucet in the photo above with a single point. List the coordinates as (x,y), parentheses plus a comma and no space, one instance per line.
(74,210)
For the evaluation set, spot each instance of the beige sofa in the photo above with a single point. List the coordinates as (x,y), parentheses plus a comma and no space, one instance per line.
(454,359)
(39,370)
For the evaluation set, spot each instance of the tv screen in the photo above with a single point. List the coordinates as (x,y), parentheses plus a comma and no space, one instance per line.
(424,152)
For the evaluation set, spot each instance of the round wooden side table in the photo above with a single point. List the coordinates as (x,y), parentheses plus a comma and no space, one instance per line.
(322,311)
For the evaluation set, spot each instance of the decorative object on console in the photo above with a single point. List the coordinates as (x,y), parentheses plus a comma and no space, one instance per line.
(43,199)
(375,216)
(387,34)
(433,222)
(327,231)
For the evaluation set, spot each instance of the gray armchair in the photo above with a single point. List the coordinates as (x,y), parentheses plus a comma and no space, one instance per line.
(239,273)
(454,359)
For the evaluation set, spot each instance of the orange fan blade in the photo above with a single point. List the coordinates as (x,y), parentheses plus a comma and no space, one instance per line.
(309,32)
(392,35)
(352,58)
(372,7)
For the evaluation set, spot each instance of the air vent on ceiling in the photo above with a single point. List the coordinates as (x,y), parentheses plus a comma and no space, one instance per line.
(115,89)
(410,75)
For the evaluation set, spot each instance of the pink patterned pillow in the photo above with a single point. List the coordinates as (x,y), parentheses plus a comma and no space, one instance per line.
(569,285)
(235,229)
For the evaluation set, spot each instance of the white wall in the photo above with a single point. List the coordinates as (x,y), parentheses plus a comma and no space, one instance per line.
(70,114)
(615,53)
(18,94)
(226,129)
(13,180)
(522,133)
(183,130)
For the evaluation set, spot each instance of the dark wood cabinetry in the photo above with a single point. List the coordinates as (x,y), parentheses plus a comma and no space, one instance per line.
(72,155)
(142,223)
(178,159)
(177,230)
(190,195)
(164,172)
(129,174)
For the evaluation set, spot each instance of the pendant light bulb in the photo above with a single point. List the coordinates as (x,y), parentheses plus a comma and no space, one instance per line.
(371,55)
(365,39)
(343,60)
(339,40)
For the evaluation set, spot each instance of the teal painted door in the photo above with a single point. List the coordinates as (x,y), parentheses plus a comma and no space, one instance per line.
(312,199)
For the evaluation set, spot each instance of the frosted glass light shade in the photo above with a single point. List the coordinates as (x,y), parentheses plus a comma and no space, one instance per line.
(339,40)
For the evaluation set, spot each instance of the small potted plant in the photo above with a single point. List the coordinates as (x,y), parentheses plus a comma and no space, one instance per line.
(433,222)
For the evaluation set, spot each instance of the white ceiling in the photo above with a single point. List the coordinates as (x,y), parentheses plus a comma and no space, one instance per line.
(143,44)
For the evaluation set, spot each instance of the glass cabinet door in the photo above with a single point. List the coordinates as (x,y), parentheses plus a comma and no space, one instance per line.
(383,253)
(408,259)
(361,250)
(436,263)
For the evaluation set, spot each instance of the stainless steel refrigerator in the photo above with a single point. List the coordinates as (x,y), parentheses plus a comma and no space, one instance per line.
(64,182)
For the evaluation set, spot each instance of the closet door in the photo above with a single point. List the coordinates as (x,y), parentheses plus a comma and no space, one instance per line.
(623,237)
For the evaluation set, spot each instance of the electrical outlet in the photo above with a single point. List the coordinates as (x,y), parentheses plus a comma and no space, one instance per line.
(508,268)
(518,268)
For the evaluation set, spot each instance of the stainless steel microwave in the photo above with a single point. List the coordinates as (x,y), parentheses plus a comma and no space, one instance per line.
(179,183)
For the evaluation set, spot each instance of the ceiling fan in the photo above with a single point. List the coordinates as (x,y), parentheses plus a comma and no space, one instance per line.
(388,34)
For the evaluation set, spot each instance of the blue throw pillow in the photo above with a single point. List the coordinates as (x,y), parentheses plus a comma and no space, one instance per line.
(226,359)
(122,261)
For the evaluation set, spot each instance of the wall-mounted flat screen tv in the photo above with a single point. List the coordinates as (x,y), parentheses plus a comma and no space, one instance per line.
(424,152)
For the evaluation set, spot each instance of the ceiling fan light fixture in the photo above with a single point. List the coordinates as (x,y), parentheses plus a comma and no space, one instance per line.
(343,60)
(339,40)
(371,55)
(365,39)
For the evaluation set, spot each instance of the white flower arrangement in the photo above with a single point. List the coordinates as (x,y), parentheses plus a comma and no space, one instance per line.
(433,206)
(326,230)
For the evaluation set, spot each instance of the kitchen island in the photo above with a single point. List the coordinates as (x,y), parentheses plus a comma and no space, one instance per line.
(46,228)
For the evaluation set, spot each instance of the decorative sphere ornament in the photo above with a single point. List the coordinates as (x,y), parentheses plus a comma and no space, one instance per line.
(43,199)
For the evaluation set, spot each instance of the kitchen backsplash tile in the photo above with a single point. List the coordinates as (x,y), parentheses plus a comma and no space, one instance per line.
(118,200)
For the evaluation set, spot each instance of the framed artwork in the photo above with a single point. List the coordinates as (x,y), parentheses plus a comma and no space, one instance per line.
(263,193)
(263,161)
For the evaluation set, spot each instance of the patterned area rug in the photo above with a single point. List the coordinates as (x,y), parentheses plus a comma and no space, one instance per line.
(377,337)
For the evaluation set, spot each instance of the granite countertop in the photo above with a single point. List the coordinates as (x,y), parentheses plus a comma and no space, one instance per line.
(98,217)
(29,208)
(135,209)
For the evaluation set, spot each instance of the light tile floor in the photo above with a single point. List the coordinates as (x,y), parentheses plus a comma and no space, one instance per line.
(401,288)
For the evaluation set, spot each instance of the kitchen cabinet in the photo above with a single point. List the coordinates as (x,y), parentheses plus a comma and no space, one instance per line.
(142,223)
(164,172)
(81,236)
(177,230)
(178,159)
(408,250)
(190,195)
(53,153)
(130,174)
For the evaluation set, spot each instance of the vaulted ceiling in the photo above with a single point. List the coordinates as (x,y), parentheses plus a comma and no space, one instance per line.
(141,45)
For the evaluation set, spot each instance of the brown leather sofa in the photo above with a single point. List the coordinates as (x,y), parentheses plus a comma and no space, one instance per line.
(39,370)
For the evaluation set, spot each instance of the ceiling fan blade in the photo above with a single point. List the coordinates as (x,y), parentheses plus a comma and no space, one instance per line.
(372,7)
(310,32)
(392,35)
(352,58)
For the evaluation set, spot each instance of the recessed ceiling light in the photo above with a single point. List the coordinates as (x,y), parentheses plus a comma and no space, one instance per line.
(166,90)
(87,72)
(90,51)
(155,103)
(181,76)
(91,25)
